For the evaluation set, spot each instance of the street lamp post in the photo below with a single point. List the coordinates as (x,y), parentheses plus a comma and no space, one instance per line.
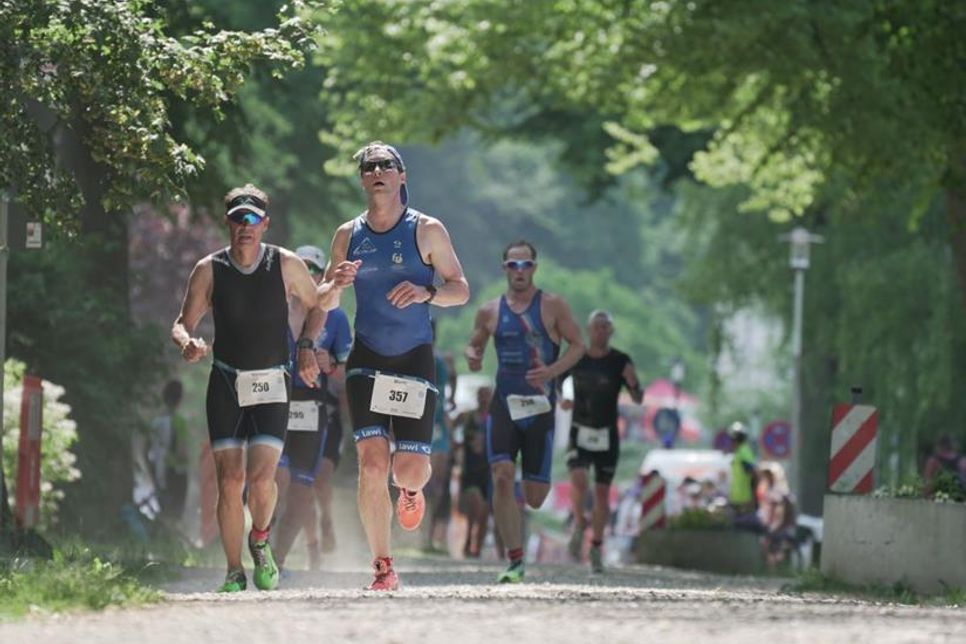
(800,241)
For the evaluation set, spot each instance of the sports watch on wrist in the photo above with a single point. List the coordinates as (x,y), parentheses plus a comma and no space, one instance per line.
(432,293)
(304,343)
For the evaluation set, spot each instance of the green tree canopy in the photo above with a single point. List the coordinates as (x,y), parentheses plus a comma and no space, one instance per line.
(108,71)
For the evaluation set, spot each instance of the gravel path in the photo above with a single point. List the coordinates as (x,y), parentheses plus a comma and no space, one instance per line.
(443,600)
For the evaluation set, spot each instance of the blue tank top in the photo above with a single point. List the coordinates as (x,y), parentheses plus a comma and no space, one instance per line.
(520,340)
(387,259)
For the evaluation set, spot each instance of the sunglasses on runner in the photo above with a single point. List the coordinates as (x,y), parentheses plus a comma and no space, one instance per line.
(381,164)
(519,264)
(245,217)
(313,269)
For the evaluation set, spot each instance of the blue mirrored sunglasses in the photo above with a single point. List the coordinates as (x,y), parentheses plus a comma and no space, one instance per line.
(519,264)
(248,218)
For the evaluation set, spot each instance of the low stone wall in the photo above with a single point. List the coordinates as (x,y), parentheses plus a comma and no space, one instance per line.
(724,551)
(883,541)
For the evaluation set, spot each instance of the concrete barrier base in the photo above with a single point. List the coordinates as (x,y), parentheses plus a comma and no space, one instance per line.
(725,551)
(884,541)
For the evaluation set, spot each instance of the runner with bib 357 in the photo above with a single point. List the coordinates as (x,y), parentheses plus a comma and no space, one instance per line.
(247,287)
(393,255)
(527,326)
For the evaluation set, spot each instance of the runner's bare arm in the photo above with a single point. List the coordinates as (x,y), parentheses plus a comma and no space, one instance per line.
(438,251)
(479,337)
(197,301)
(632,383)
(568,330)
(339,273)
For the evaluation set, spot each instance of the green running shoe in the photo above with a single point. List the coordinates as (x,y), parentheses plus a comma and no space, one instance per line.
(235,582)
(513,574)
(266,572)
(596,560)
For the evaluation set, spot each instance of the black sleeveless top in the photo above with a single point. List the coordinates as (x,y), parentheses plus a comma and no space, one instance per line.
(250,310)
(597,385)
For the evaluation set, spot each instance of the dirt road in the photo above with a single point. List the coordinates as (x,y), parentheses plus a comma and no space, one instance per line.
(449,602)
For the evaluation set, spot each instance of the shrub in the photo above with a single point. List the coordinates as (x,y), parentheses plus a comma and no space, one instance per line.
(59,434)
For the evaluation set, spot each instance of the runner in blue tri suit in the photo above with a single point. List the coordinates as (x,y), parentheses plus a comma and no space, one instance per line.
(247,287)
(527,326)
(313,440)
(399,261)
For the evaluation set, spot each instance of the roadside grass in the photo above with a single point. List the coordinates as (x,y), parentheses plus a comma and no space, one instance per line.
(74,579)
(812,580)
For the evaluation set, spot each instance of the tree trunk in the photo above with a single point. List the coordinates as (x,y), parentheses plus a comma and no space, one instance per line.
(956,217)
(103,450)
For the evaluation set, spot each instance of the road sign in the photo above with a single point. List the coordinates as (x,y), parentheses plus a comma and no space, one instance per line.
(776,440)
(722,441)
(667,424)
(852,455)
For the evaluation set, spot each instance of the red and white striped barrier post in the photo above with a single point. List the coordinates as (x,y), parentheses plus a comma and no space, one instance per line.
(852,458)
(652,509)
(28,452)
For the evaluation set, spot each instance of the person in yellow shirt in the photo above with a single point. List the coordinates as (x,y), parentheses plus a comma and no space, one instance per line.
(741,494)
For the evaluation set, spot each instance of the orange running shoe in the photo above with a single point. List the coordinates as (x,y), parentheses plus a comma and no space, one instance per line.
(385,576)
(410,508)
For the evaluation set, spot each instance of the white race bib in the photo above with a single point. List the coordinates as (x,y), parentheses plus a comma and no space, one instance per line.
(398,396)
(303,416)
(593,439)
(261,387)
(526,406)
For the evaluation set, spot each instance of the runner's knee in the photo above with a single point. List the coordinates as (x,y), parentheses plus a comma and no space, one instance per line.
(231,482)
(535,496)
(373,468)
(503,478)
(411,474)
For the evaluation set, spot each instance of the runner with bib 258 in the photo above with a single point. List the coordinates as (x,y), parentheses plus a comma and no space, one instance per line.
(247,287)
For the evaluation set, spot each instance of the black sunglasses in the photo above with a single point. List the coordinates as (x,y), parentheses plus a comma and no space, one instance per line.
(380,164)
(519,264)
(313,269)
(244,217)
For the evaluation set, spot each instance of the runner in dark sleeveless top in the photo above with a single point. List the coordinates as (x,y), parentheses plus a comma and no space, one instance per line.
(598,379)
(475,473)
(399,261)
(527,326)
(247,287)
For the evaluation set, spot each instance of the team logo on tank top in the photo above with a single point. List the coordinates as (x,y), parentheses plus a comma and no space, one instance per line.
(366,248)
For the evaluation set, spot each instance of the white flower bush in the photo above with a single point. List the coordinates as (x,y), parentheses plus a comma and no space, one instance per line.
(59,434)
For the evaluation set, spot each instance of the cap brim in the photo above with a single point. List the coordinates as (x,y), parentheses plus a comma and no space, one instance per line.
(247,207)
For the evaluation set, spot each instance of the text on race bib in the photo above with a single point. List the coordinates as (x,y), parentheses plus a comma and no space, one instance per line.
(593,439)
(303,416)
(261,387)
(526,406)
(397,396)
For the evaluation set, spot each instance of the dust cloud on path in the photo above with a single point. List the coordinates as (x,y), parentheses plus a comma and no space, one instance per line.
(449,602)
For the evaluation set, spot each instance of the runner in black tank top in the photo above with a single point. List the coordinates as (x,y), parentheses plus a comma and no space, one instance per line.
(247,287)
(594,440)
